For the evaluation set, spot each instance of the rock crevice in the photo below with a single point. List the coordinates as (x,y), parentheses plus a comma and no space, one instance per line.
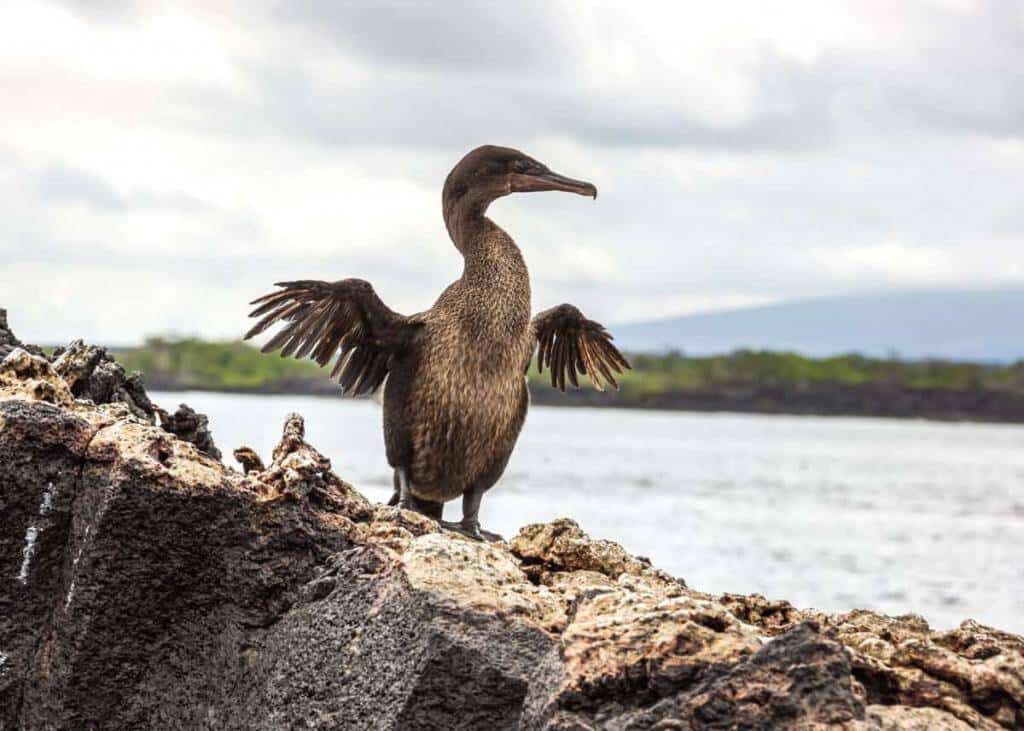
(163,589)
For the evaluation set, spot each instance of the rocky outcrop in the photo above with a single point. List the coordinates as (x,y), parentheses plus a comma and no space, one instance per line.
(187,424)
(91,373)
(146,585)
(8,341)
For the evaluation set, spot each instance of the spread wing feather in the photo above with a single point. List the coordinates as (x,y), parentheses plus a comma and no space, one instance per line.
(344,320)
(572,345)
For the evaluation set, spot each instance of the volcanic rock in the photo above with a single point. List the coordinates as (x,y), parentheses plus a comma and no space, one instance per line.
(143,584)
(190,426)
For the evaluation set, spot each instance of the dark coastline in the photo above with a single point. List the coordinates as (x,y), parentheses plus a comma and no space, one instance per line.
(818,399)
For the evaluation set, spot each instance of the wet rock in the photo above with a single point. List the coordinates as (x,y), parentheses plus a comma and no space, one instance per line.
(143,584)
(190,426)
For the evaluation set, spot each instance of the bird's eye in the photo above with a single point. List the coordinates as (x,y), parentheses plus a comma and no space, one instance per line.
(521,166)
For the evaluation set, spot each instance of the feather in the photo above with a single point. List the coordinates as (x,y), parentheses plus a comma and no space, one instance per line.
(343,321)
(589,359)
(570,345)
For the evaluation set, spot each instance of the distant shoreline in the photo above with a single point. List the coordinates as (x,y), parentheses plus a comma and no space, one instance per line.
(744,381)
(868,400)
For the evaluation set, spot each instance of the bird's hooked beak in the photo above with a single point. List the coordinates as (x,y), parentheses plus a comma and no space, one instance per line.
(548,180)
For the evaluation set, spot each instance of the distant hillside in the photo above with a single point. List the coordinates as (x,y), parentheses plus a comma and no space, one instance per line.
(960,325)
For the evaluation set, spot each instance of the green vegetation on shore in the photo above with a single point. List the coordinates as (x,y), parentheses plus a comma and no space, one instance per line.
(189,363)
(678,372)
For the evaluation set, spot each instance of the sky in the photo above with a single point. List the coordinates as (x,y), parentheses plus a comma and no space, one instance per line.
(161,164)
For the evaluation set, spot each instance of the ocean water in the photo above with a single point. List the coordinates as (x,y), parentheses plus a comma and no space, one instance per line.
(833,513)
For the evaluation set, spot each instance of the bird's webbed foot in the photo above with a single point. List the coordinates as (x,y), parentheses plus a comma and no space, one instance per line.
(471,529)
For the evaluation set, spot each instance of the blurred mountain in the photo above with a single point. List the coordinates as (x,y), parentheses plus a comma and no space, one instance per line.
(958,324)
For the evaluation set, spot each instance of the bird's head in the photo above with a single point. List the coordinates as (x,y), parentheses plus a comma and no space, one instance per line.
(490,172)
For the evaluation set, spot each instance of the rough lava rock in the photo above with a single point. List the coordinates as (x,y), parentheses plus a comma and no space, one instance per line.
(146,585)
(187,424)
(90,372)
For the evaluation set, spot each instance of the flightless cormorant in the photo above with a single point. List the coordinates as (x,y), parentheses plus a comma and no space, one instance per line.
(455,395)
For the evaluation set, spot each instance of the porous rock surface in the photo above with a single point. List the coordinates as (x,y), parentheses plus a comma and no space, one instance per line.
(146,585)
(186,423)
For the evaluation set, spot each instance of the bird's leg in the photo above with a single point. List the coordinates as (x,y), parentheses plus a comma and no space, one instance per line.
(396,496)
(402,489)
(404,498)
(470,523)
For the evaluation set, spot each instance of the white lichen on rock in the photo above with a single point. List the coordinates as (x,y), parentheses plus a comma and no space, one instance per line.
(47,503)
(31,533)
(74,564)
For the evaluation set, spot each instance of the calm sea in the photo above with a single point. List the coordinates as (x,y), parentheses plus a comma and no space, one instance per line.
(833,513)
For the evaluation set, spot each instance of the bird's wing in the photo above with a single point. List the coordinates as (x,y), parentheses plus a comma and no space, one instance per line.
(570,344)
(326,319)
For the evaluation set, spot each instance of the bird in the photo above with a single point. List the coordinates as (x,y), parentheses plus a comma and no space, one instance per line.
(455,393)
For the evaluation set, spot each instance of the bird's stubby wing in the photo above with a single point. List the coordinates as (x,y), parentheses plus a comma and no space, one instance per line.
(570,344)
(344,319)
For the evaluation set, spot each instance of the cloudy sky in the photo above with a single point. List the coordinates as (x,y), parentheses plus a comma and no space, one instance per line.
(160,165)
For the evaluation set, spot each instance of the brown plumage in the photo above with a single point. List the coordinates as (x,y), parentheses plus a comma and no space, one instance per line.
(455,395)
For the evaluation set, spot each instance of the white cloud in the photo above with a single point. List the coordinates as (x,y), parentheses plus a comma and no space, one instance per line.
(161,165)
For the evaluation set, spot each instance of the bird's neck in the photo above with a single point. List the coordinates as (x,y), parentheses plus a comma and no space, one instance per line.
(492,257)
(489,253)
(466,220)
(494,269)
(496,286)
